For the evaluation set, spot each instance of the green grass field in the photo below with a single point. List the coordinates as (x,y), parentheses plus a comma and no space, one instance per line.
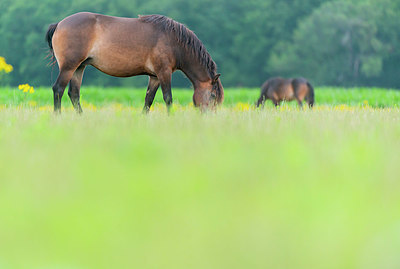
(329,96)
(235,188)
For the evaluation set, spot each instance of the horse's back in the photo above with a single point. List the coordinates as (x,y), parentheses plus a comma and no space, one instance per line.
(78,19)
(279,89)
(82,19)
(110,31)
(117,46)
(272,85)
(299,81)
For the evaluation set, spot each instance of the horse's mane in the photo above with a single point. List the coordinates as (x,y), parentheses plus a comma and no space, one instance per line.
(185,37)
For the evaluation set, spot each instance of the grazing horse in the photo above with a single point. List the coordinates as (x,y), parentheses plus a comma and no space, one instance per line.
(280,89)
(152,45)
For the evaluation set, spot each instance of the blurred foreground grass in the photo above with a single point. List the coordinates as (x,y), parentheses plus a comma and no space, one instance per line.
(232,189)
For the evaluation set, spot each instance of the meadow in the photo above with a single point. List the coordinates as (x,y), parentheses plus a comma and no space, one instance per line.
(134,98)
(236,188)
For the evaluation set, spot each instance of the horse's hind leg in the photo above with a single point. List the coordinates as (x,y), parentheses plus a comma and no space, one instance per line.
(75,87)
(152,88)
(58,88)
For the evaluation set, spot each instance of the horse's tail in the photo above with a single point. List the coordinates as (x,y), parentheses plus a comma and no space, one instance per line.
(310,96)
(49,37)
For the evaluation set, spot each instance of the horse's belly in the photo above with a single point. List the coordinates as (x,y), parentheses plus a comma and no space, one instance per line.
(288,93)
(121,59)
(289,96)
(119,70)
(119,64)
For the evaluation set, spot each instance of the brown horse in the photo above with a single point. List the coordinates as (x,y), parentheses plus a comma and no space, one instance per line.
(152,45)
(280,89)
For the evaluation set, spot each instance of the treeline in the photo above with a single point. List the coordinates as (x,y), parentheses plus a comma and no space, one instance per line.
(343,42)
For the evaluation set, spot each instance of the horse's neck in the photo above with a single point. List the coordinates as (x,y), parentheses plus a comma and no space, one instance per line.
(194,70)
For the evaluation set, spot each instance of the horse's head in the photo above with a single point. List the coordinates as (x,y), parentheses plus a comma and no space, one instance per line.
(210,93)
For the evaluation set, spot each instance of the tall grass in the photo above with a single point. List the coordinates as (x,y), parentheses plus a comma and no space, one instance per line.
(135,97)
(232,189)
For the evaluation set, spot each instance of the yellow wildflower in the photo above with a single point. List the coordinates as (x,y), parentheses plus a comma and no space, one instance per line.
(88,106)
(344,107)
(46,108)
(26,88)
(32,103)
(242,107)
(5,66)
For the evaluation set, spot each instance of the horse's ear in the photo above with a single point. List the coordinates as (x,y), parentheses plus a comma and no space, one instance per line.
(215,79)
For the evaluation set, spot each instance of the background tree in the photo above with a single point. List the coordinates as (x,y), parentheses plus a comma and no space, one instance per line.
(341,43)
(332,42)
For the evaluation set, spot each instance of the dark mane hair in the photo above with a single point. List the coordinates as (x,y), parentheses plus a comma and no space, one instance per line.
(185,37)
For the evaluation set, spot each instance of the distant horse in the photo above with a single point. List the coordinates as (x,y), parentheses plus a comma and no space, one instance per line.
(280,89)
(152,45)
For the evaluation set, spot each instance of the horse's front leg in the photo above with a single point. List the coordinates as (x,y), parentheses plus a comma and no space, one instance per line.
(165,81)
(275,101)
(261,100)
(152,88)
